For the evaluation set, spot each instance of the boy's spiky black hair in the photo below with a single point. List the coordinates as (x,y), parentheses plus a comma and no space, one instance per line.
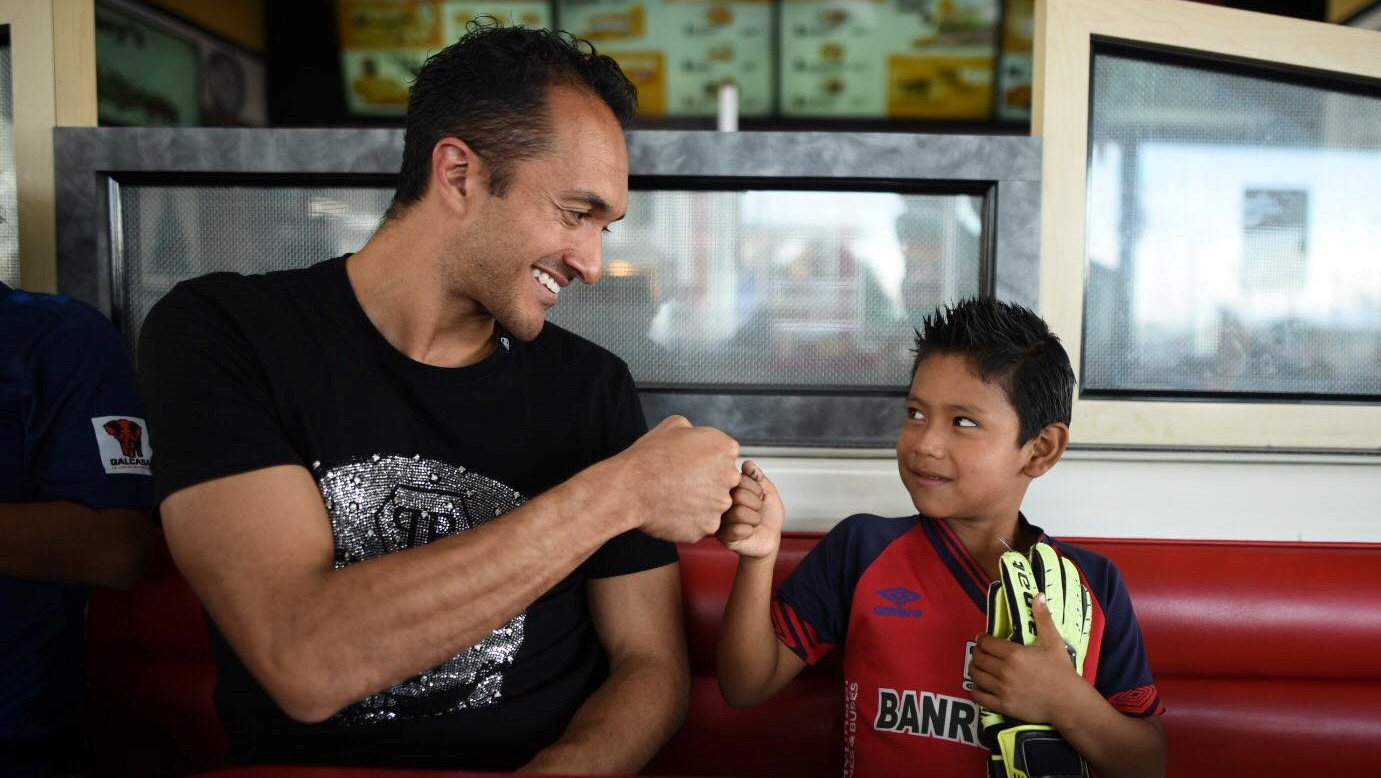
(1008,345)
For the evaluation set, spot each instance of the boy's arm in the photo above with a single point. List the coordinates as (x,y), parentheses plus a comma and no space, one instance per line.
(753,664)
(1114,743)
(1038,683)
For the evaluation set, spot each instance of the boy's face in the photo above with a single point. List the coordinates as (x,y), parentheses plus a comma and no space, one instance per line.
(957,452)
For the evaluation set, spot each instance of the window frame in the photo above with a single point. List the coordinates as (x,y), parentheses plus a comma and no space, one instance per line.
(94,163)
(1065,34)
(53,82)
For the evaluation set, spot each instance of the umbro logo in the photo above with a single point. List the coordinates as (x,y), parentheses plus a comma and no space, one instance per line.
(900,597)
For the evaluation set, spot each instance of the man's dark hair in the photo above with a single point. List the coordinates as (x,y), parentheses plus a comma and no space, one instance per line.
(1008,345)
(490,89)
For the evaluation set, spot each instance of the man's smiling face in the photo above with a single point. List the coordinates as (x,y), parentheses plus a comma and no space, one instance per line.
(546,231)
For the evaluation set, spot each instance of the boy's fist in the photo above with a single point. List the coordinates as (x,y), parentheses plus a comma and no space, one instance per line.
(752,527)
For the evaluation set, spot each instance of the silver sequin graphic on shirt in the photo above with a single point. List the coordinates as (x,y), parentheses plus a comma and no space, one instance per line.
(390,503)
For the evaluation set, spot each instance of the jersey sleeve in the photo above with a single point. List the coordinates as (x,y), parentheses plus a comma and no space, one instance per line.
(1124,674)
(633,551)
(810,611)
(88,416)
(210,405)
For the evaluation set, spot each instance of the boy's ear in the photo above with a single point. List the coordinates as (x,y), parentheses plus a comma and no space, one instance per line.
(1046,449)
(456,172)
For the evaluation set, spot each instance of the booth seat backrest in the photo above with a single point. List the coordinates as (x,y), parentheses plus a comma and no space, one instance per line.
(149,678)
(799,732)
(1267,655)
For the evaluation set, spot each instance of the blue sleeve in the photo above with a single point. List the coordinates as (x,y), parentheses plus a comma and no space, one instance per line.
(810,612)
(1124,673)
(87,417)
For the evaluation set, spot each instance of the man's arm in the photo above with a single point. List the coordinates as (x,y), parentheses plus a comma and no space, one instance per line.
(67,542)
(643,702)
(257,549)
(1038,683)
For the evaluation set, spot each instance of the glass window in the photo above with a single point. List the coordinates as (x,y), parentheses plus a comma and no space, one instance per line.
(777,288)
(700,288)
(9,193)
(169,233)
(1232,232)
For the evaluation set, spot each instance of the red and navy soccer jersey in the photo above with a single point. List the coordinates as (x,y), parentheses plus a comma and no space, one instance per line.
(906,599)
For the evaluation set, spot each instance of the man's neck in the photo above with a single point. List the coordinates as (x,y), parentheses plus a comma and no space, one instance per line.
(394,279)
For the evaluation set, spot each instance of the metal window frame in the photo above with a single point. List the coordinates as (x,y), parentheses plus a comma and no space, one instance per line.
(92,163)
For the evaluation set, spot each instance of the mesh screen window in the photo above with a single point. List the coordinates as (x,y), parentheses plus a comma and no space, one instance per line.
(1233,232)
(9,192)
(171,233)
(770,289)
(776,288)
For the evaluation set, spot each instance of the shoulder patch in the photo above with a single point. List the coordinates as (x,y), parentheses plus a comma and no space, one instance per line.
(124,444)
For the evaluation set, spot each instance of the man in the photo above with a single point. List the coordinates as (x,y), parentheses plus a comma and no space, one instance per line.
(74,496)
(411,510)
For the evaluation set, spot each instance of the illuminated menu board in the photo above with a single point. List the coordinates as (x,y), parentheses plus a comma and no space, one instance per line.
(1014,74)
(903,59)
(383,42)
(679,52)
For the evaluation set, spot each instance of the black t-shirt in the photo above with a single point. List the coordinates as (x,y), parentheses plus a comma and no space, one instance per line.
(242,373)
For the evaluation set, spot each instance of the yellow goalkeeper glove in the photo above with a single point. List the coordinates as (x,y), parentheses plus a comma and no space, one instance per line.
(1021,749)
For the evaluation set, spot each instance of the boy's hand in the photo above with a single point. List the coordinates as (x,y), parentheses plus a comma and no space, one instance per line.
(752,527)
(1025,682)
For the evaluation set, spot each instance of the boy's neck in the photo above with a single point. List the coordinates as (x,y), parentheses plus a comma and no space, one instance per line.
(987,541)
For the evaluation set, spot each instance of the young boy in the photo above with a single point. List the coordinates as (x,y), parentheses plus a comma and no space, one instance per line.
(989,411)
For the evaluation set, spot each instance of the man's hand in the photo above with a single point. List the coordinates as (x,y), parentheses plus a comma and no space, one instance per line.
(752,528)
(680,477)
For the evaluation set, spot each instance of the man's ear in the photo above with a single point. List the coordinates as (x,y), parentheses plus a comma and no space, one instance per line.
(1046,449)
(457,173)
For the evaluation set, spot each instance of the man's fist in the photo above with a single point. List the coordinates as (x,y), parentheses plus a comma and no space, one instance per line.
(680,477)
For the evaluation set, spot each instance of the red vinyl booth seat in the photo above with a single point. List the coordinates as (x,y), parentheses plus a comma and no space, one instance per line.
(1267,655)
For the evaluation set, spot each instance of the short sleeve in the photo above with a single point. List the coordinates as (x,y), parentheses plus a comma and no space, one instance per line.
(88,417)
(633,551)
(210,405)
(1123,675)
(810,611)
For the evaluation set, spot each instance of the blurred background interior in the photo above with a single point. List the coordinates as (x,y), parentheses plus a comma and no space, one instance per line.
(904,65)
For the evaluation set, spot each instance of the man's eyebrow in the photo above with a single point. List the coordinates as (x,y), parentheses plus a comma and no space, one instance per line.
(597,204)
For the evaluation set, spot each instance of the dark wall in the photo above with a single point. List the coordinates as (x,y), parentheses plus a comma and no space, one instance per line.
(303,66)
(1313,10)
